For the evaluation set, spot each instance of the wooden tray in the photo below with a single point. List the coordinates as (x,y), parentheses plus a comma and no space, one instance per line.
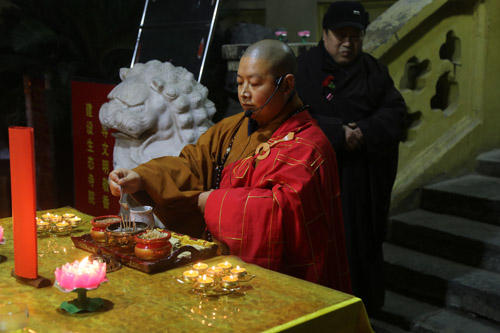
(86,243)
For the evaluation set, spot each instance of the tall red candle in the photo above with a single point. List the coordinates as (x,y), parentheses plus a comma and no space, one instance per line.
(23,188)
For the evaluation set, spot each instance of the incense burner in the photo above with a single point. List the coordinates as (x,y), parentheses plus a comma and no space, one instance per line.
(123,237)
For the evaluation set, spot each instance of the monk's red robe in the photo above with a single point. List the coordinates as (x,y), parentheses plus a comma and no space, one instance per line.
(283,211)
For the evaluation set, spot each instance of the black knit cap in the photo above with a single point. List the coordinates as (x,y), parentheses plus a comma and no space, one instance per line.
(345,14)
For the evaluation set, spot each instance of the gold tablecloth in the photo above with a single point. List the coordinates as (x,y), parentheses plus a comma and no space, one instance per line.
(137,302)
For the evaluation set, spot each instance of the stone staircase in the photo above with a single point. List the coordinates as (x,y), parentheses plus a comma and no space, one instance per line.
(442,261)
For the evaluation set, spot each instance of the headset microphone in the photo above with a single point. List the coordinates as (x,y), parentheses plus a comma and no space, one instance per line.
(248,113)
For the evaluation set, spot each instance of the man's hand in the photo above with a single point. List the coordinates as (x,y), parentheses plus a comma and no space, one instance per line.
(202,200)
(354,139)
(128,180)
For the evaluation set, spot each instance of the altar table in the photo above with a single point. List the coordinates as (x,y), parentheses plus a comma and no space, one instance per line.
(138,302)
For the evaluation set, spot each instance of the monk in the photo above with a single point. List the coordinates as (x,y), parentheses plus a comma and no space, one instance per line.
(263,182)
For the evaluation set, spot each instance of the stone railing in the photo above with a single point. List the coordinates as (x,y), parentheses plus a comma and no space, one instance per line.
(439,53)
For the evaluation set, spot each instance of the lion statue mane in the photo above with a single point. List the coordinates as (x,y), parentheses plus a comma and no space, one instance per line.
(155,111)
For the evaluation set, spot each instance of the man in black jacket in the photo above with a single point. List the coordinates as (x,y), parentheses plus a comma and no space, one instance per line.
(356,104)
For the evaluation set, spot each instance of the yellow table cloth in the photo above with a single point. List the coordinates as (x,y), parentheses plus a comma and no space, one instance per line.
(138,302)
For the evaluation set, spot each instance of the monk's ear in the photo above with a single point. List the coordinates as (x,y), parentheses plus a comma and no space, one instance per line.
(289,83)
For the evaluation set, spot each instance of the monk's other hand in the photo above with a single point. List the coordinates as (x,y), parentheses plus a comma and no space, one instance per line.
(202,200)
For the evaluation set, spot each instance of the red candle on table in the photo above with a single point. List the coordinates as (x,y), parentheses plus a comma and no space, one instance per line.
(23,188)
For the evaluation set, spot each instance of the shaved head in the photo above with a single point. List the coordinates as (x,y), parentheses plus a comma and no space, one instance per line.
(278,54)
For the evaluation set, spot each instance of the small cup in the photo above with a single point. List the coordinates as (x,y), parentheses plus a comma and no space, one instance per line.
(229,281)
(13,316)
(215,272)
(191,275)
(200,267)
(239,271)
(204,282)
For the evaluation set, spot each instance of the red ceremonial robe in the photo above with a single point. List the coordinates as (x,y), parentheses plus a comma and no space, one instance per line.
(283,211)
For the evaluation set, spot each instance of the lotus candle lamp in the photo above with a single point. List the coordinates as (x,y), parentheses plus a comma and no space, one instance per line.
(81,277)
(2,240)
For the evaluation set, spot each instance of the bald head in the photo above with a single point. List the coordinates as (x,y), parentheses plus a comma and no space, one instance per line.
(278,54)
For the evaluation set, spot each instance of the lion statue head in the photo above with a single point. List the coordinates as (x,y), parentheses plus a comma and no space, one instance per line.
(155,111)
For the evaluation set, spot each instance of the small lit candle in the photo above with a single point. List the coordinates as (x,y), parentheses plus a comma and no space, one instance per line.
(55,218)
(74,221)
(200,267)
(82,274)
(226,266)
(42,225)
(1,234)
(229,281)
(46,217)
(63,226)
(239,271)
(191,275)
(67,216)
(215,272)
(205,282)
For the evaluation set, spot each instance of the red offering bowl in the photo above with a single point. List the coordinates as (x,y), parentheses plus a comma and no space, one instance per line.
(99,225)
(153,249)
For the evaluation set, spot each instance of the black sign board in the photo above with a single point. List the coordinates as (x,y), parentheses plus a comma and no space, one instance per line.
(177,31)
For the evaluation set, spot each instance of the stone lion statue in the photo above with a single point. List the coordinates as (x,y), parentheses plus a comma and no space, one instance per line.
(156,110)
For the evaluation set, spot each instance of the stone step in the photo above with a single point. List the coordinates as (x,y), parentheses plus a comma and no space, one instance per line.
(473,196)
(488,163)
(415,316)
(462,240)
(443,281)
(380,326)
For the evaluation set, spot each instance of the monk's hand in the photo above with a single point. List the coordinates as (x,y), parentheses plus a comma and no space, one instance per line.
(128,180)
(202,200)
(354,139)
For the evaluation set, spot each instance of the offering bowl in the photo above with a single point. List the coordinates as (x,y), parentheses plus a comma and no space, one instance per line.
(99,225)
(152,244)
(123,238)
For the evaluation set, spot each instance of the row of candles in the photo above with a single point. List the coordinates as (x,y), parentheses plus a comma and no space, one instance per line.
(58,223)
(205,277)
(89,275)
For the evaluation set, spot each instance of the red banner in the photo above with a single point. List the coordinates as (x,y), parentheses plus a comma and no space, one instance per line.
(92,150)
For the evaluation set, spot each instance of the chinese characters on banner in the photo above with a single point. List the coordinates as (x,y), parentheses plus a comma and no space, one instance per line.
(92,150)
